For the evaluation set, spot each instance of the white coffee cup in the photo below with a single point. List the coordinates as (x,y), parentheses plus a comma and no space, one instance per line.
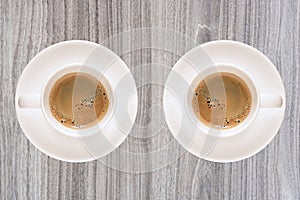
(258,100)
(42,100)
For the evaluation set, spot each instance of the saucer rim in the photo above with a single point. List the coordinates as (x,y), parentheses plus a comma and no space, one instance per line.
(26,130)
(275,130)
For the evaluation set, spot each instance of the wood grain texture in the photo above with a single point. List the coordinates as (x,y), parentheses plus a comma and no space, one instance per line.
(29,26)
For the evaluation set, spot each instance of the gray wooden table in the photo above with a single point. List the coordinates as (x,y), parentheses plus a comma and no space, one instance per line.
(27,27)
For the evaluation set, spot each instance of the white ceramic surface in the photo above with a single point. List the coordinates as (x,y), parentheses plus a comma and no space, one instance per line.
(63,58)
(215,144)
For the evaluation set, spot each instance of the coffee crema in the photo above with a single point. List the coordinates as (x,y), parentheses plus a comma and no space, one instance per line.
(78,100)
(222,100)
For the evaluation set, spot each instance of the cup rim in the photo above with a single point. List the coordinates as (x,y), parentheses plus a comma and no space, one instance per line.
(219,67)
(54,77)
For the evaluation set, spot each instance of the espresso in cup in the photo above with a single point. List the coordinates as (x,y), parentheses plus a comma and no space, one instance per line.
(78,100)
(222,100)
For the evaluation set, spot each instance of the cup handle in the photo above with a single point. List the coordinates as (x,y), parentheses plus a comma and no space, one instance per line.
(29,101)
(271,101)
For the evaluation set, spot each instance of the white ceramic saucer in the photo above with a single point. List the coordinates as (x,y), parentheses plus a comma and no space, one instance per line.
(77,149)
(239,146)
